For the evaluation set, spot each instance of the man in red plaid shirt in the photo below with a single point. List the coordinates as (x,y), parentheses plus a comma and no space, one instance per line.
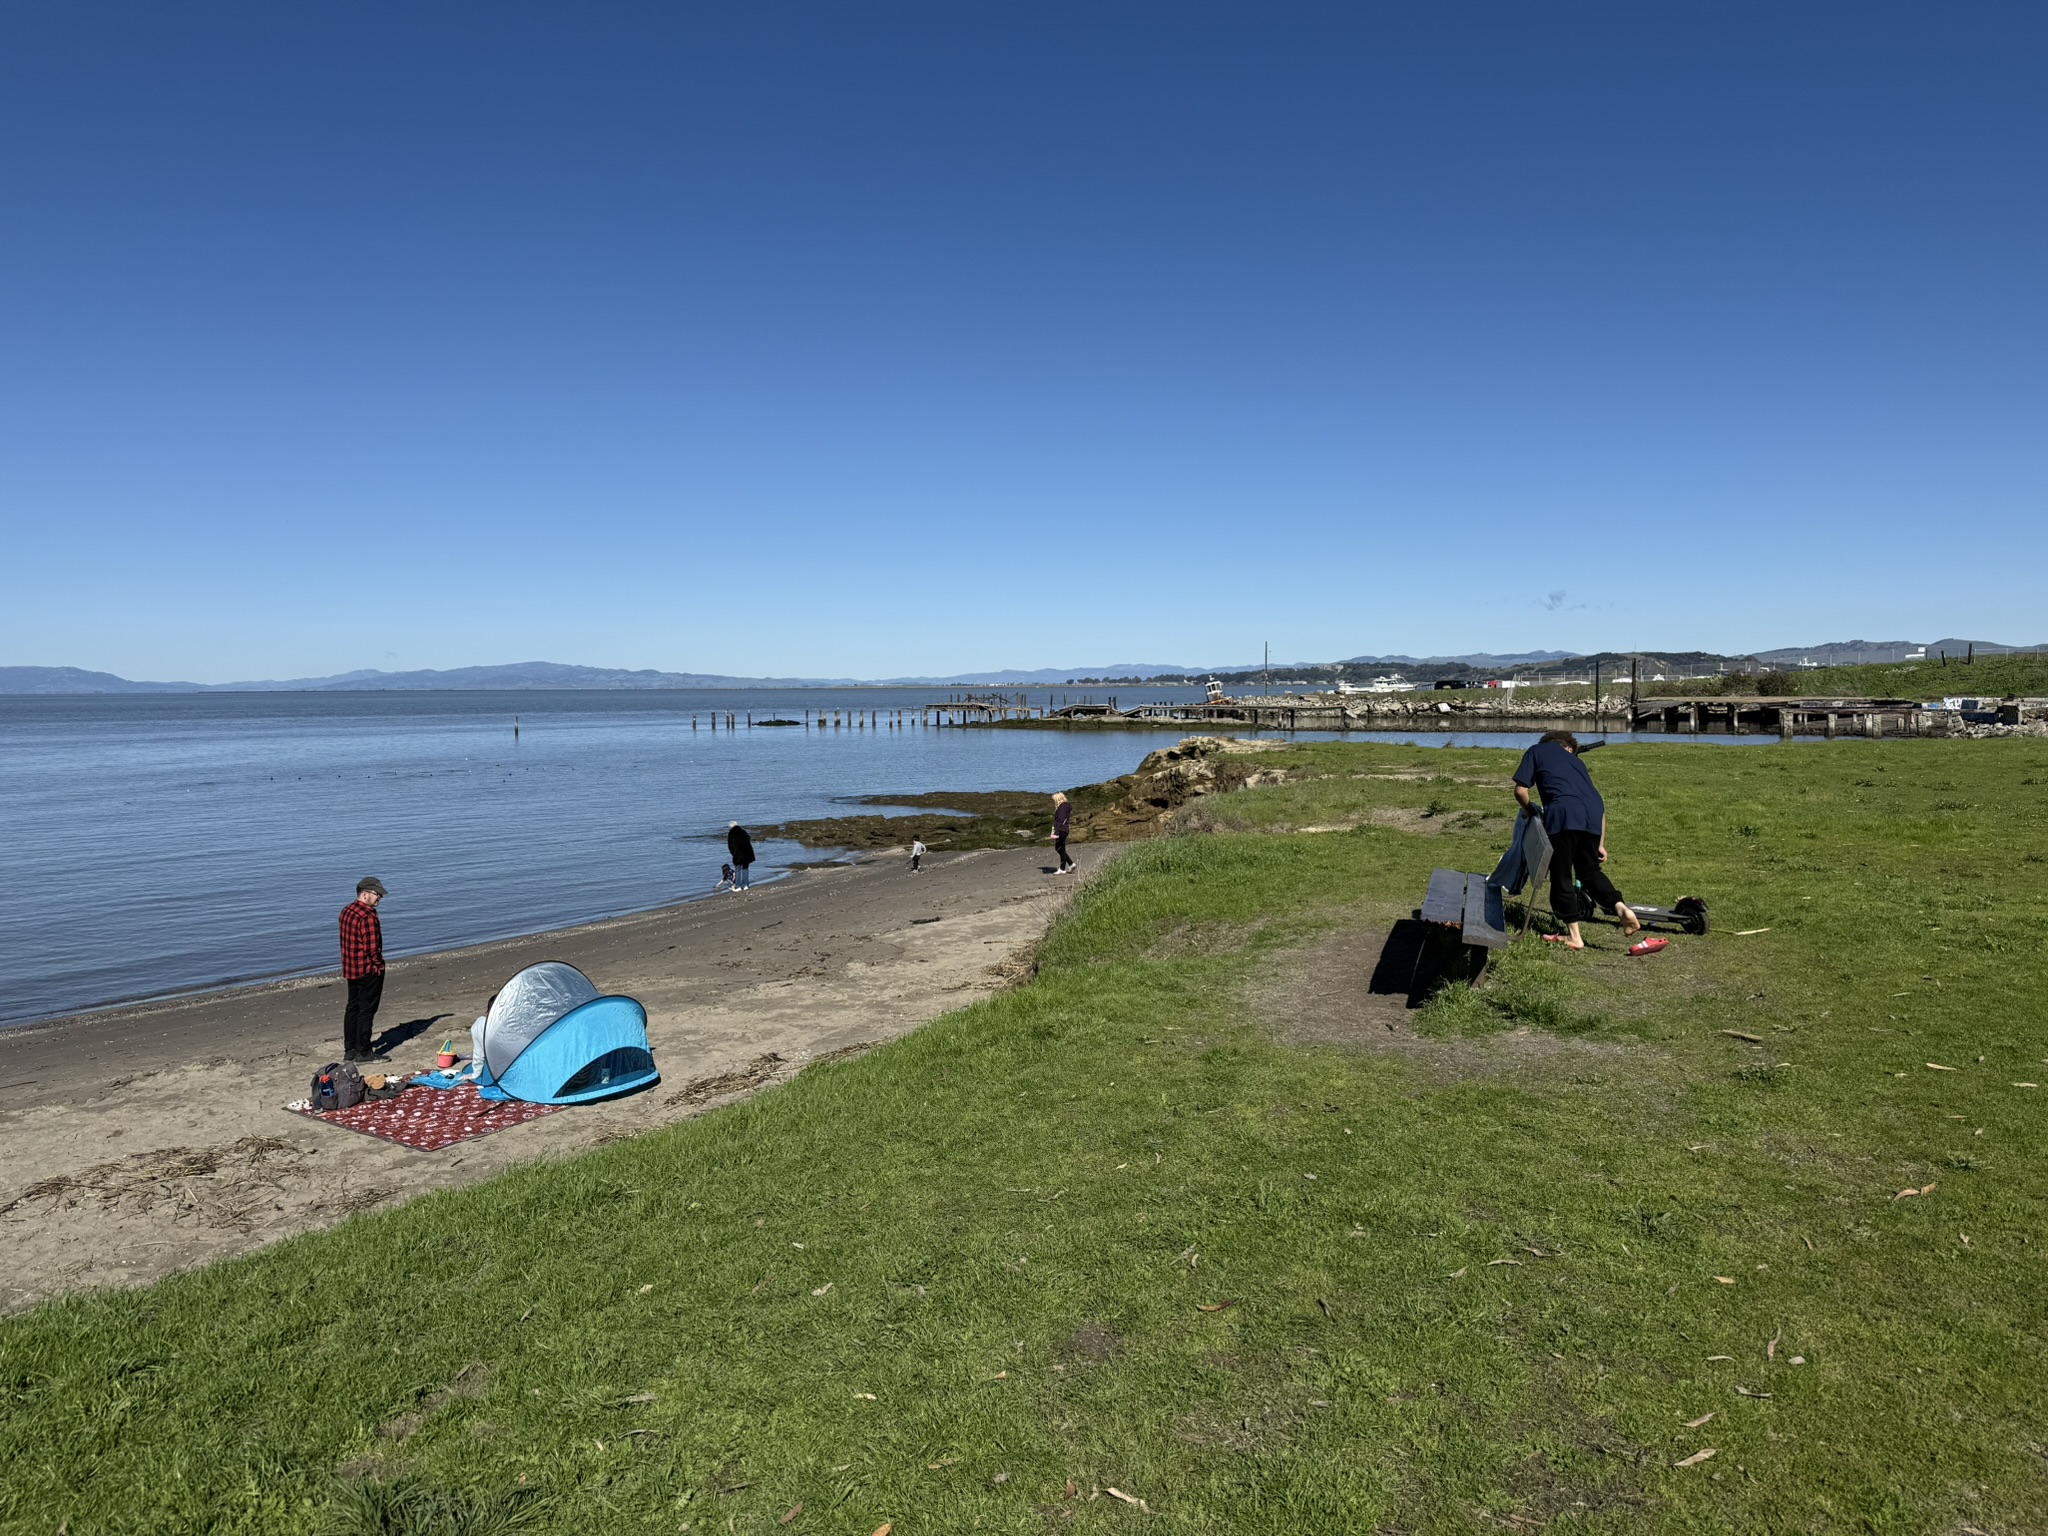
(362,967)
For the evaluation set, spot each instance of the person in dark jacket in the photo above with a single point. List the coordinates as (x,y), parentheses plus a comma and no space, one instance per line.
(1576,818)
(362,967)
(1062,819)
(741,847)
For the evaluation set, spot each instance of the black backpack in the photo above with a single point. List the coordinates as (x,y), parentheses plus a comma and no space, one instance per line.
(338,1085)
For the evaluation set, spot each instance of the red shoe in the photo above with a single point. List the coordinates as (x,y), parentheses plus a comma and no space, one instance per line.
(1649,946)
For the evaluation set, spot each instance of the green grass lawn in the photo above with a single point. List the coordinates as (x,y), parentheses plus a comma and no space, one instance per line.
(2023,673)
(1112,1231)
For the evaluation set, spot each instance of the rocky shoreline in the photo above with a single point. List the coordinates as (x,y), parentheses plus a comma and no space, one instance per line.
(1136,805)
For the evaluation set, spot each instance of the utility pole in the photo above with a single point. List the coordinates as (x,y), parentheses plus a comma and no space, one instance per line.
(1269,667)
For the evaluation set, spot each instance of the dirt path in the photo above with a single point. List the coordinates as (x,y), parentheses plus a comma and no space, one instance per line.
(138,1143)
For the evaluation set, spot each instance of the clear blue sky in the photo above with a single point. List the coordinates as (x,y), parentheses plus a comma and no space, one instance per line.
(872,339)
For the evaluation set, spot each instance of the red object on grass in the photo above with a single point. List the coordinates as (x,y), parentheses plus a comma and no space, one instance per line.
(1648,946)
(428,1119)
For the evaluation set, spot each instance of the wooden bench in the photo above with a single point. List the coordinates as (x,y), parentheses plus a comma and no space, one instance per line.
(1472,904)
(1461,921)
(1420,955)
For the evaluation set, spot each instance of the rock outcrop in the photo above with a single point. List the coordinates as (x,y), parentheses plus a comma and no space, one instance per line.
(1171,777)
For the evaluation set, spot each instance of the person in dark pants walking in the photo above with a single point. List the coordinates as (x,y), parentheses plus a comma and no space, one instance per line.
(741,847)
(1576,818)
(1062,820)
(362,967)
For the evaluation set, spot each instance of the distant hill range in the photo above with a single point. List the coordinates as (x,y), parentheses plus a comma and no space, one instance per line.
(537,675)
(517,675)
(1859,653)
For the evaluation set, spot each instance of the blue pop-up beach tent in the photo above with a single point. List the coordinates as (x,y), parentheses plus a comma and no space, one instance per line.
(551,1038)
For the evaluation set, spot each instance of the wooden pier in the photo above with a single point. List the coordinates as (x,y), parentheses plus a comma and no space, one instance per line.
(1733,715)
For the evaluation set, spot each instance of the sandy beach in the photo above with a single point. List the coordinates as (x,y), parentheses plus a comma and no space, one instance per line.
(142,1141)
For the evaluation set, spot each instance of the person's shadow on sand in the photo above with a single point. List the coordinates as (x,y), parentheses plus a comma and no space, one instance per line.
(398,1034)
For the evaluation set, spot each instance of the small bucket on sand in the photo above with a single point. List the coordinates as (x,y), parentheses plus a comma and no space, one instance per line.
(447,1057)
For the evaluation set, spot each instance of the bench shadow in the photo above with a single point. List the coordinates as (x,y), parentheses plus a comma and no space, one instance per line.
(1419,960)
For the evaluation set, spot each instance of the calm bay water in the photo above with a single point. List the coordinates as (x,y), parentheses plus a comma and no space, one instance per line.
(160,844)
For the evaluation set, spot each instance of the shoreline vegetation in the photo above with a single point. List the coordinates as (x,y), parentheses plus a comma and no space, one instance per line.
(1134,805)
(2020,678)
(1198,1222)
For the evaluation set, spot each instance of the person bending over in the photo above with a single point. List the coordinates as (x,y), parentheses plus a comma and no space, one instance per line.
(1576,818)
(741,848)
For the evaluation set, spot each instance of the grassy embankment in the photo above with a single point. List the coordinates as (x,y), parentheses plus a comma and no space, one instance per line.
(1989,676)
(1469,1277)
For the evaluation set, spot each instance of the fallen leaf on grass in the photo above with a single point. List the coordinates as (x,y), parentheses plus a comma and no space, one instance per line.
(1000,1376)
(1699,1456)
(638,1397)
(1457,1274)
(1771,1349)
(1214,1306)
(2026,1085)
(1186,1256)
(1744,933)
(1750,1392)
(865,1396)
(1935,1066)
(943,1461)
(1725,1279)
(1129,1498)
(762,1285)
(1491,1262)
(1740,1035)
(1000,1478)
(1696,1423)
(795,1510)
(884,1530)
(646,1288)
(821,1290)
(1712,1358)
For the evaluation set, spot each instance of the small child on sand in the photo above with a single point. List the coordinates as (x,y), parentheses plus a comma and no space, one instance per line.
(725,878)
(917,853)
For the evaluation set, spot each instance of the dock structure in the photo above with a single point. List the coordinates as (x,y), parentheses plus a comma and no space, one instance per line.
(1735,715)
(984,709)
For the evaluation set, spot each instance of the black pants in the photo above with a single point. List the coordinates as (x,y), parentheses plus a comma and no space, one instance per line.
(364,994)
(1576,856)
(1059,846)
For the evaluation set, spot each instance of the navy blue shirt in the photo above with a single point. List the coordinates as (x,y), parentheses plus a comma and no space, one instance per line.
(1570,802)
